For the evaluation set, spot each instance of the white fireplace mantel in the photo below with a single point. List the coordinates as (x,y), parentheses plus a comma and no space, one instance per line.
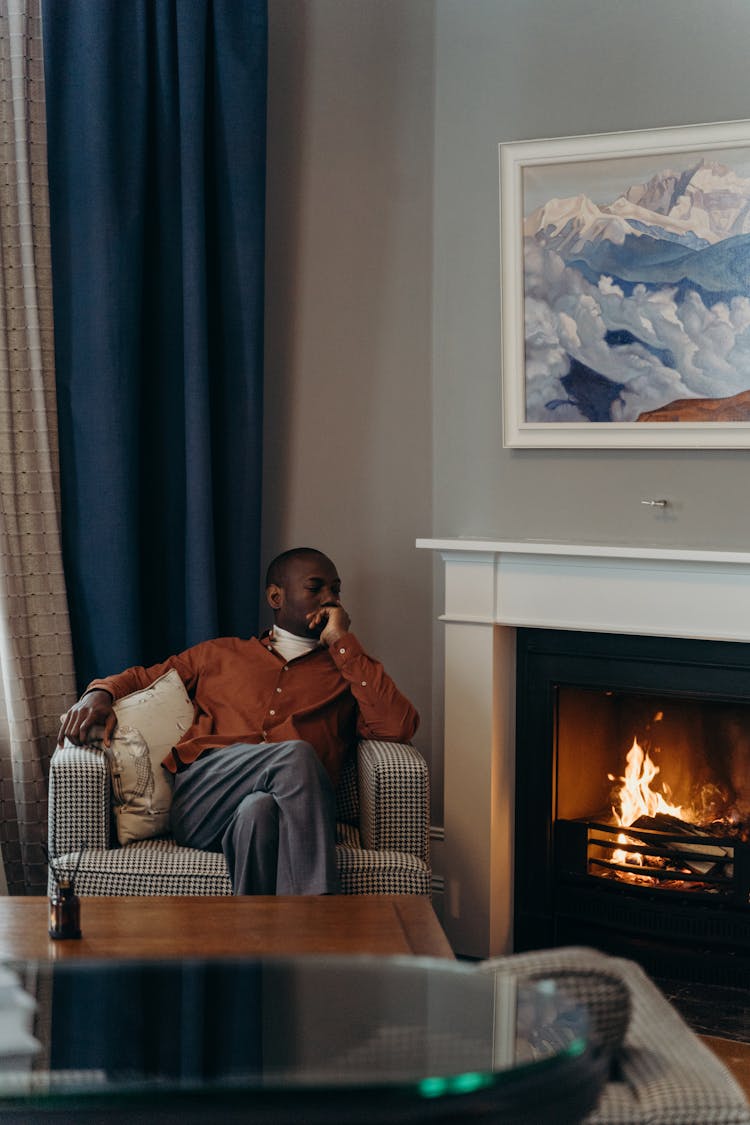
(491,587)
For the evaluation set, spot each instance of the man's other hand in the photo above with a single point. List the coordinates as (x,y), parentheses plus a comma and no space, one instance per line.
(94,709)
(336,623)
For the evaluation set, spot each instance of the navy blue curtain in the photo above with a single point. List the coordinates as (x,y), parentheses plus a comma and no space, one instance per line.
(156,115)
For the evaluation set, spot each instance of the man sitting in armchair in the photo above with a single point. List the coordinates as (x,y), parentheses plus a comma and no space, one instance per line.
(255,774)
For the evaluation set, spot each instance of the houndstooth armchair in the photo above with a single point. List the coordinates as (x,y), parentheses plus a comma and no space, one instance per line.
(382,832)
(661,1073)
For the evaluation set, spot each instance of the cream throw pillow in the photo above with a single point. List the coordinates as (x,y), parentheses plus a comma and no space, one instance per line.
(149,723)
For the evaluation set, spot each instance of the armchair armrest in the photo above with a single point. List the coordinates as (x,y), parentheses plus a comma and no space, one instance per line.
(79,800)
(394,798)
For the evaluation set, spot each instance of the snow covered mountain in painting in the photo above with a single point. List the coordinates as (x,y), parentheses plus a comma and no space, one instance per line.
(649,292)
(701,207)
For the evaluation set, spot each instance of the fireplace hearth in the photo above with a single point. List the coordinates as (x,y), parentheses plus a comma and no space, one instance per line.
(658,727)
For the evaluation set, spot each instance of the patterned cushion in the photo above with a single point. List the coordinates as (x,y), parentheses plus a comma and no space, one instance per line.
(162,867)
(363,871)
(149,723)
(150,867)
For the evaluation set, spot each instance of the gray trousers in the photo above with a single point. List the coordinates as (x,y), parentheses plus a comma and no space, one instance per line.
(271,809)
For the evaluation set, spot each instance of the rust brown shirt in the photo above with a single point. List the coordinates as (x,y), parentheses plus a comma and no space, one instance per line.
(243,691)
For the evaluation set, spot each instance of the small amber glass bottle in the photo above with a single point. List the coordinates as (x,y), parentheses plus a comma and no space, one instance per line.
(64,912)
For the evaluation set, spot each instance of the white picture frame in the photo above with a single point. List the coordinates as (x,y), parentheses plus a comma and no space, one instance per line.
(625,272)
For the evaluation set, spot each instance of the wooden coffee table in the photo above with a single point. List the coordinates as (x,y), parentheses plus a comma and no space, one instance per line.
(225,926)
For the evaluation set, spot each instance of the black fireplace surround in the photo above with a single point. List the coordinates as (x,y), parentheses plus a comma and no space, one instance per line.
(581,698)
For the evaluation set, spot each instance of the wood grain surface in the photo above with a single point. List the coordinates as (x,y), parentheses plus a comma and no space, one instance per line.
(226,926)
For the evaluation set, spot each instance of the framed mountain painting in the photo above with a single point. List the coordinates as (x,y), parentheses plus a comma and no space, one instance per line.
(626,289)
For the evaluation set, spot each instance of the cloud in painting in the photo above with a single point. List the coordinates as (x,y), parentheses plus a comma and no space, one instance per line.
(669,320)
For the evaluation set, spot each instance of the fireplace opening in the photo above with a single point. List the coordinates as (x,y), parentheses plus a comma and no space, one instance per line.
(633,800)
(663,800)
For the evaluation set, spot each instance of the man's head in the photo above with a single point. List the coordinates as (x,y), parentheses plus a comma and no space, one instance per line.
(299,583)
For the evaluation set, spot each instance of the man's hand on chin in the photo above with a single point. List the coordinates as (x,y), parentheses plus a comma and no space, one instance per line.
(335,621)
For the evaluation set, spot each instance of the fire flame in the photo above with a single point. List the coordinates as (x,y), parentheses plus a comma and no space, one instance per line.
(636,798)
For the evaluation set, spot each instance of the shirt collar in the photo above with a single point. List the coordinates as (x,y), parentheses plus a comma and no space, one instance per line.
(289,645)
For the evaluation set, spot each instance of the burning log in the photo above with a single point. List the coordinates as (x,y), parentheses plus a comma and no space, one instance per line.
(664,822)
(690,853)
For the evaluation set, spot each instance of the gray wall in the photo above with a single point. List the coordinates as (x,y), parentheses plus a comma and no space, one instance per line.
(383,332)
(348,396)
(520,69)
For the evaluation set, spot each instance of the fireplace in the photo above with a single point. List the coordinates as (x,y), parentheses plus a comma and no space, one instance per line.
(633,800)
(493,588)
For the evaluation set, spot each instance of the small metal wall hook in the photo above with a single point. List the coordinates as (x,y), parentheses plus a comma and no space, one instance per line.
(655,503)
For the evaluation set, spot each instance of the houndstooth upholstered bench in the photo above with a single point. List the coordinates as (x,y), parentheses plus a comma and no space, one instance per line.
(661,1073)
(382,832)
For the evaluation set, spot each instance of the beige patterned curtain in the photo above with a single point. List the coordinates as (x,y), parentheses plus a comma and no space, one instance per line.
(36,663)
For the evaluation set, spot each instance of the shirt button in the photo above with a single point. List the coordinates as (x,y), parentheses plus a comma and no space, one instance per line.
(342,651)
(278,689)
(285,668)
(364,683)
(271,712)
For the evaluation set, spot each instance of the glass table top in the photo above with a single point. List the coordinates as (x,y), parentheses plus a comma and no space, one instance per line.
(347,1038)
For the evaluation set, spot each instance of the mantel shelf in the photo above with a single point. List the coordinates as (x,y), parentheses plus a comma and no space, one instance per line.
(584,550)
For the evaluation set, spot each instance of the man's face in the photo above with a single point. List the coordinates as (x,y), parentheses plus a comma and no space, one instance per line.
(310,582)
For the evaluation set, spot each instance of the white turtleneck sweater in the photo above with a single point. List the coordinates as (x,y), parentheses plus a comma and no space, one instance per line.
(289,645)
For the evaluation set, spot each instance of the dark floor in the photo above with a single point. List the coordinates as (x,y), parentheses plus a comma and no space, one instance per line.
(711,1009)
